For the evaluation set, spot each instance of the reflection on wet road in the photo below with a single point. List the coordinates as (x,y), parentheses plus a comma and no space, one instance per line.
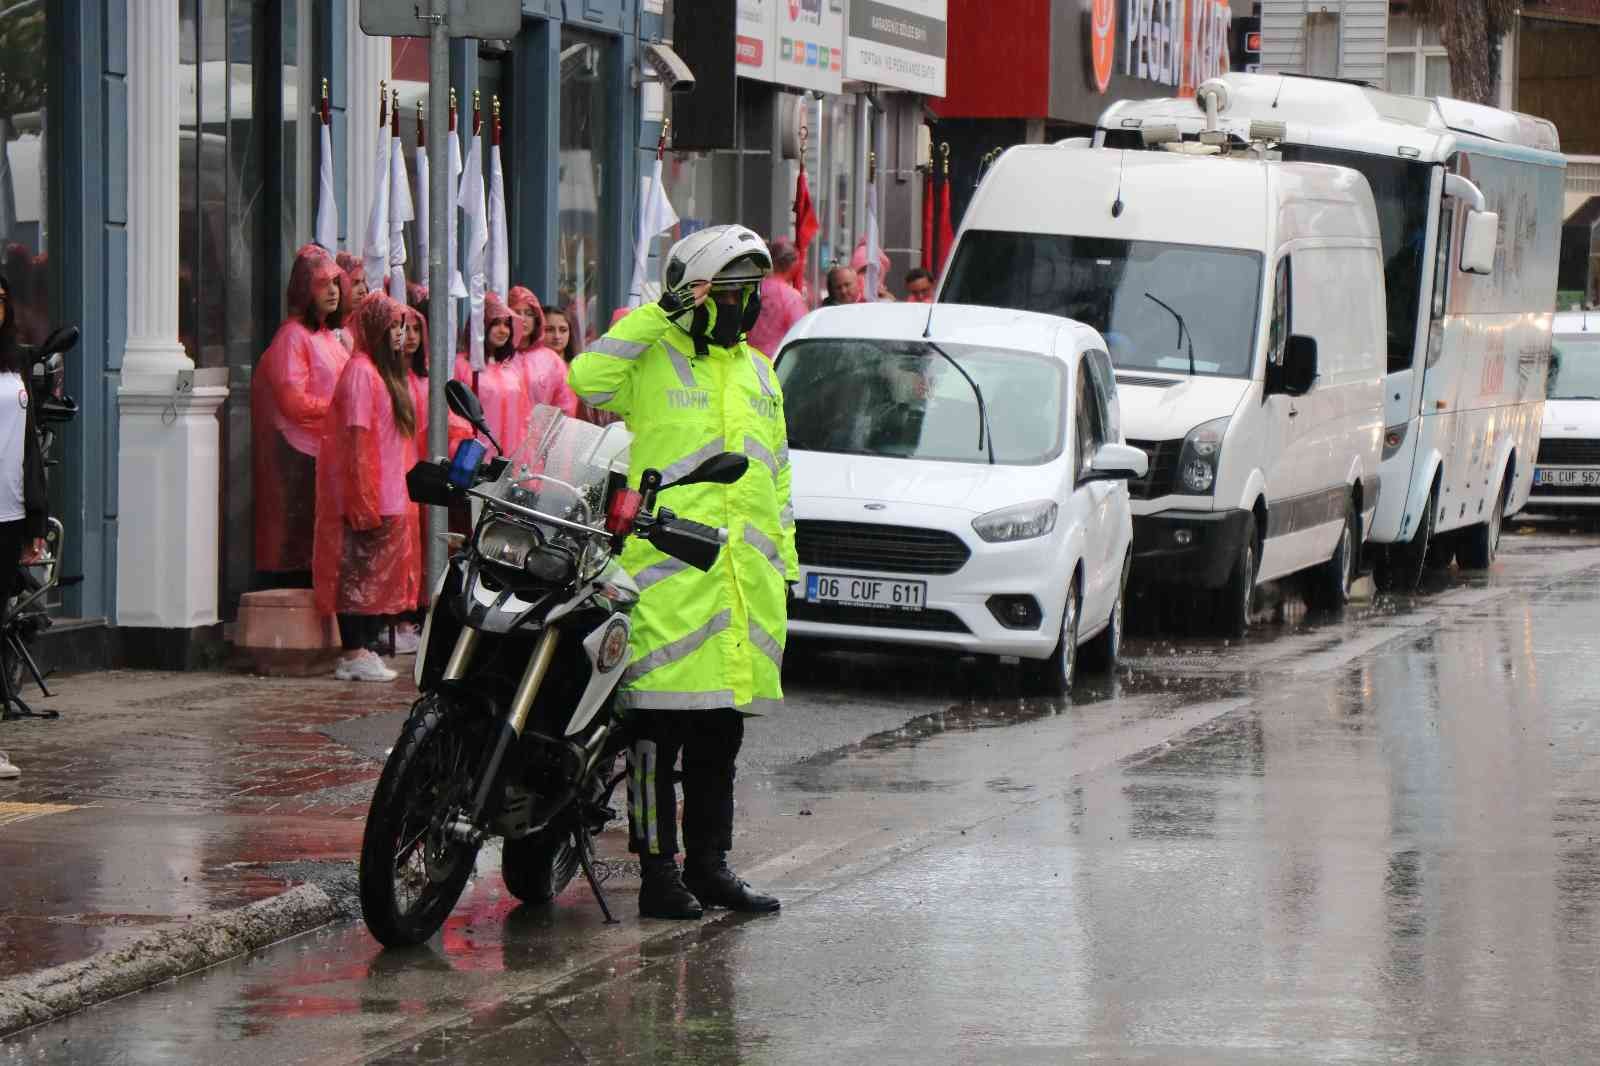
(1371,840)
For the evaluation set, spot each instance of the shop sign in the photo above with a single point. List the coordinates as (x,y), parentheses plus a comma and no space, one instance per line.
(901,44)
(1169,43)
(754,54)
(811,36)
(792,42)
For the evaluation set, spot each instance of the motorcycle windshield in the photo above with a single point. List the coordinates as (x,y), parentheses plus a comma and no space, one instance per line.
(562,466)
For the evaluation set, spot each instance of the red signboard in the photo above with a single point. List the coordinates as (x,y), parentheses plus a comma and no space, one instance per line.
(750,51)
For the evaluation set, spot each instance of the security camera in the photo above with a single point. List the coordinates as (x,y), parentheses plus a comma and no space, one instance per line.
(667,67)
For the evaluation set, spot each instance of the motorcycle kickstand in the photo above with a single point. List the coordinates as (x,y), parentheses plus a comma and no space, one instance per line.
(585,849)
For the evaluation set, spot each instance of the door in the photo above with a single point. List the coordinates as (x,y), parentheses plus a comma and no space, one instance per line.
(1093,500)
(1273,441)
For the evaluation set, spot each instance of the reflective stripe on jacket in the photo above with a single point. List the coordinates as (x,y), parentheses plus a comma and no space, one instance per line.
(701,639)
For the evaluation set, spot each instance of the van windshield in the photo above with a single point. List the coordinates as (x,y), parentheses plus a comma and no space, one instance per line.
(1400,191)
(1177,308)
(903,399)
(1574,368)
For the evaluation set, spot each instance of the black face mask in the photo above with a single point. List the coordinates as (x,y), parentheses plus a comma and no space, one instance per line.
(728,327)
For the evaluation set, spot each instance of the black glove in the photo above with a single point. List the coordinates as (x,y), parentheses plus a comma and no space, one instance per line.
(676,301)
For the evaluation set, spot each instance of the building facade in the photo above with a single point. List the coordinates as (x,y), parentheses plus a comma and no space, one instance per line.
(1045,69)
(159,170)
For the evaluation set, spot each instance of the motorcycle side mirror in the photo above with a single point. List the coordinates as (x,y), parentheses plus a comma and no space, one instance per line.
(63,339)
(722,469)
(464,402)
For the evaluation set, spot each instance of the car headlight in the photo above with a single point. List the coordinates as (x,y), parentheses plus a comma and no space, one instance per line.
(1200,457)
(1021,522)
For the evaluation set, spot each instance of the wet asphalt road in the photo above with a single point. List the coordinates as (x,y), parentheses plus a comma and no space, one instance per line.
(1370,839)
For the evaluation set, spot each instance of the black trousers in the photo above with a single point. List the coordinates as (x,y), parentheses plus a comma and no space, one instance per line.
(13,542)
(709,742)
(361,631)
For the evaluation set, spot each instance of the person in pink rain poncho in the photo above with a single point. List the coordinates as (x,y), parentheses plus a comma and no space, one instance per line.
(289,398)
(546,372)
(501,385)
(368,563)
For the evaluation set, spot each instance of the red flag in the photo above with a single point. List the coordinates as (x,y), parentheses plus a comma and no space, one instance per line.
(927,222)
(947,235)
(805,218)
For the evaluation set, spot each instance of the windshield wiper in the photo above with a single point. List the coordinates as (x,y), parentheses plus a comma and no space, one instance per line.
(1183,327)
(985,434)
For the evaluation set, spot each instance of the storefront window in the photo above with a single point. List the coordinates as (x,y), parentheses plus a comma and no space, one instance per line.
(245,163)
(585,127)
(24,225)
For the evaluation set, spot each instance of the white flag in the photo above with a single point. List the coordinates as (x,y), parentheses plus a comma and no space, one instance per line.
(656,216)
(424,213)
(471,201)
(458,287)
(375,249)
(401,211)
(874,253)
(327,205)
(499,238)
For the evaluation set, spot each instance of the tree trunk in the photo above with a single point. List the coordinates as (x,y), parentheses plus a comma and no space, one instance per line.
(1469,29)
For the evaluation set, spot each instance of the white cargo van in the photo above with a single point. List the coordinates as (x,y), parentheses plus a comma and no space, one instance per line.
(1469,207)
(1242,302)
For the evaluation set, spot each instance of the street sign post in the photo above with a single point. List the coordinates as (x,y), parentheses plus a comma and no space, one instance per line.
(440,20)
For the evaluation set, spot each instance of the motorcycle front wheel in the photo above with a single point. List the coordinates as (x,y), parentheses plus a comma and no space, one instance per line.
(537,867)
(412,873)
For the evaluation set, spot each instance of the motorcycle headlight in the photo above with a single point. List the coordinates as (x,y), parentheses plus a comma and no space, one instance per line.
(506,544)
(1021,522)
(1200,457)
(519,548)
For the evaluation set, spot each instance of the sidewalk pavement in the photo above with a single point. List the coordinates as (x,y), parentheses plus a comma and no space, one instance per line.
(161,798)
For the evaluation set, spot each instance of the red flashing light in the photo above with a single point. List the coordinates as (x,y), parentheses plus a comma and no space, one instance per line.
(623,510)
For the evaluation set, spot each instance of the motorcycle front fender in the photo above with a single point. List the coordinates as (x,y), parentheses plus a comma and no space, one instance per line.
(441,628)
(607,649)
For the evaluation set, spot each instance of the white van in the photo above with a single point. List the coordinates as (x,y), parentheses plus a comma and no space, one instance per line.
(1243,304)
(1469,208)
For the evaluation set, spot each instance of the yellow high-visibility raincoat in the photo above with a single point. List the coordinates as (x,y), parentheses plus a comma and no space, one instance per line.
(701,640)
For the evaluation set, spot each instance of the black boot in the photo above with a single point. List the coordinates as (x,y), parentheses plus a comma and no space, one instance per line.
(661,891)
(714,885)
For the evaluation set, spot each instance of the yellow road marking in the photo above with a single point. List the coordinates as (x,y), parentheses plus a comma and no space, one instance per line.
(11,813)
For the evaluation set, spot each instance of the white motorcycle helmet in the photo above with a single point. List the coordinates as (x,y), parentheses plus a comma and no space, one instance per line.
(731,258)
(727,256)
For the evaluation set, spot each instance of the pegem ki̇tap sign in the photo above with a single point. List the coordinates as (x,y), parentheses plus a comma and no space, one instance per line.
(1179,43)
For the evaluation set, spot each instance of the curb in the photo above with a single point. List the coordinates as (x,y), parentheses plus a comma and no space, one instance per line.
(159,955)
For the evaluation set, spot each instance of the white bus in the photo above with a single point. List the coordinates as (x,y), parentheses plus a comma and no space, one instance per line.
(1468,328)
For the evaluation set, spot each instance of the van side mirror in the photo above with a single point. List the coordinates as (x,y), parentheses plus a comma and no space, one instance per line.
(1478,239)
(1299,371)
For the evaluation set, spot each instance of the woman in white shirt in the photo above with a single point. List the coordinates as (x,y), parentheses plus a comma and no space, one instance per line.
(22,494)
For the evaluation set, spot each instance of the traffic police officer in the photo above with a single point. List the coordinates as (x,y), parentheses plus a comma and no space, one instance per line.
(707,646)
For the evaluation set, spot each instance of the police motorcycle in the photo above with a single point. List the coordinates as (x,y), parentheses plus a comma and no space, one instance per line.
(26,615)
(524,644)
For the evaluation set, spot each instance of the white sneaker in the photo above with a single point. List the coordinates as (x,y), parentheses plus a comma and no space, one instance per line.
(407,639)
(365,666)
(8,769)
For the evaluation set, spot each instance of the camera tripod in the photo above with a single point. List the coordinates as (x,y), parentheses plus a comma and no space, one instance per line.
(23,619)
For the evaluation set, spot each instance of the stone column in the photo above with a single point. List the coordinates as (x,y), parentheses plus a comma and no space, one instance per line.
(168,461)
(369,62)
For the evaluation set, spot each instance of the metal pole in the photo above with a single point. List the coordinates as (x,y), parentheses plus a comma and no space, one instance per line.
(441,201)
